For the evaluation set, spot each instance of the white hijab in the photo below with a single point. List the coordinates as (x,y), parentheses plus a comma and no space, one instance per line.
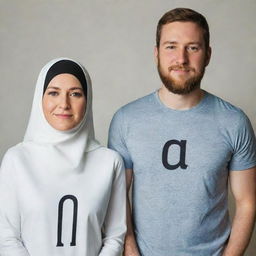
(59,150)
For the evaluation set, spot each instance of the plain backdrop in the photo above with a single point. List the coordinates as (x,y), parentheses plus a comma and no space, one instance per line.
(114,39)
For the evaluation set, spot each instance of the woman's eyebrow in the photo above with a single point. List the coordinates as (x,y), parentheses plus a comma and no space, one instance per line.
(53,87)
(58,88)
(76,88)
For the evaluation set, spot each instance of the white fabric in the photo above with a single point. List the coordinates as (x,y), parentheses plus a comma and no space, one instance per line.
(49,165)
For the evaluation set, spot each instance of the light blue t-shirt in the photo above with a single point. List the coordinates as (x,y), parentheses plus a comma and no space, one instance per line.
(181,162)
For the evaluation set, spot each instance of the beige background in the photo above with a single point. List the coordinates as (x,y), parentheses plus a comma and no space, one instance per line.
(114,39)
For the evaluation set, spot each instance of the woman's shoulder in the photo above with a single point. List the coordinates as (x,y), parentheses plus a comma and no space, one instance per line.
(106,160)
(107,153)
(13,152)
(10,158)
(112,159)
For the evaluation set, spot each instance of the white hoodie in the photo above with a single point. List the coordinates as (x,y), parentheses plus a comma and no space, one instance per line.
(61,193)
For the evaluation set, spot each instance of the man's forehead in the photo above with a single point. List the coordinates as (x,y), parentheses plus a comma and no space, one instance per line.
(175,31)
(182,25)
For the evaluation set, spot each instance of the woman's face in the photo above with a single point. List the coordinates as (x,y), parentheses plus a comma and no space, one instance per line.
(64,102)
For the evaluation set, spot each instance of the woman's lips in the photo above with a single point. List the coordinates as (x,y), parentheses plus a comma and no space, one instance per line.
(63,116)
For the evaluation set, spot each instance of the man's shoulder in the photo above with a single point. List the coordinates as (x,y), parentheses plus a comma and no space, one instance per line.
(139,103)
(137,106)
(222,106)
(227,113)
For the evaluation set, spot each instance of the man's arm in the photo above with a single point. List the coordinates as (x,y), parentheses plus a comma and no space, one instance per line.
(243,187)
(130,247)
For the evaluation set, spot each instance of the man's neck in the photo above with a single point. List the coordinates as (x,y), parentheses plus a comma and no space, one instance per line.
(180,102)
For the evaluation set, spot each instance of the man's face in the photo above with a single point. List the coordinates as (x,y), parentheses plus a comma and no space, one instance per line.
(182,56)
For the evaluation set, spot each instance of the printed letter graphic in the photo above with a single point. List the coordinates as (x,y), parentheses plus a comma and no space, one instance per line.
(181,163)
(60,216)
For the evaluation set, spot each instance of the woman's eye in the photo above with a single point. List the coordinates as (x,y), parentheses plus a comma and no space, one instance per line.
(76,94)
(52,93)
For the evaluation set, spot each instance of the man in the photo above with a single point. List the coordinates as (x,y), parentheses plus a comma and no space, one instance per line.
(181,145)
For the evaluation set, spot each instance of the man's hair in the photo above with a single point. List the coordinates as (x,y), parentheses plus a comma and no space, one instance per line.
(184,15)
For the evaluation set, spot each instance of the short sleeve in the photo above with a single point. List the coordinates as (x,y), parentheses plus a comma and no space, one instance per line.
(117,138)
(244,144)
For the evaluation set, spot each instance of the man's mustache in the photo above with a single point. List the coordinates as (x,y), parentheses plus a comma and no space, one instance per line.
(180,67)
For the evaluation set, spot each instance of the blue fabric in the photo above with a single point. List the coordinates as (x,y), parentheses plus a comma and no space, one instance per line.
(181,161)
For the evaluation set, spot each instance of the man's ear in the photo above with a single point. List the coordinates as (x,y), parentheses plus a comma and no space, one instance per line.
(156,54)
(208,56)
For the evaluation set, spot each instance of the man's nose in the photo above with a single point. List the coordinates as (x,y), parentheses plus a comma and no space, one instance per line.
(182,56)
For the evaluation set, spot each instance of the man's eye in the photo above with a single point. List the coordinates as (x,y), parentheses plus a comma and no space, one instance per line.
(170,47)
(76,94)
(193,48)
(52,93)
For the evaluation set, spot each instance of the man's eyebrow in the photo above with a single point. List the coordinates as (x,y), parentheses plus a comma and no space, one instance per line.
(175,42)
(170,42)
(197,43)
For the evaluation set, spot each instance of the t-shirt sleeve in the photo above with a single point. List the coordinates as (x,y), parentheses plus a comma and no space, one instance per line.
(244,145)
(117,138)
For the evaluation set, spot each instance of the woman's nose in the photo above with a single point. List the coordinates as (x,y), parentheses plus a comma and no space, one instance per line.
(64,102)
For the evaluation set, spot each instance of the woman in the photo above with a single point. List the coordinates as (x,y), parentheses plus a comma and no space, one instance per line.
(61,193)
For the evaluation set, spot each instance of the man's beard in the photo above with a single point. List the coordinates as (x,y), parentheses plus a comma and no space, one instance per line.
(184,87)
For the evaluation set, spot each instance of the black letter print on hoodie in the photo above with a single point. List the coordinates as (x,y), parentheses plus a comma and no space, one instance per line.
(60,216)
